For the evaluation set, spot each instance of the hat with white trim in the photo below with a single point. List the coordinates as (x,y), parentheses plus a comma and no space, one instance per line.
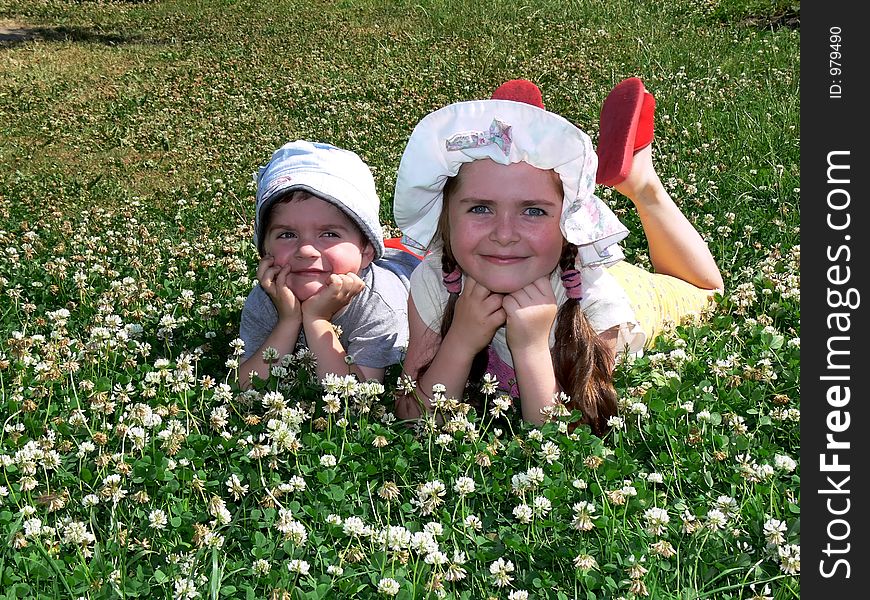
(505,131)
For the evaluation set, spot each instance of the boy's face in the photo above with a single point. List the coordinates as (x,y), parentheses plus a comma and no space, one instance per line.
(315,239)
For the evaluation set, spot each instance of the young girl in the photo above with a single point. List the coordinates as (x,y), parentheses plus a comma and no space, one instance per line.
(524,277)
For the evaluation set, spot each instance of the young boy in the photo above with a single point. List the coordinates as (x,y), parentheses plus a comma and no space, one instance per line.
(322,281)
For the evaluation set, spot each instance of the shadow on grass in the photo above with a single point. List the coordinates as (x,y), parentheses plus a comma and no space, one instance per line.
(11,35)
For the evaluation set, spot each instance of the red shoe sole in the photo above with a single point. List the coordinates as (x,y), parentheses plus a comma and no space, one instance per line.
(625,126)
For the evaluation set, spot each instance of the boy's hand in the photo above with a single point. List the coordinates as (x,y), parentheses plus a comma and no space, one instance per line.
(478,315)
(334,296)
(530,314)
(273,280)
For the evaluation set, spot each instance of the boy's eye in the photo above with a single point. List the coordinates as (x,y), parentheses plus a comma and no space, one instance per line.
(330,234)
(534,211)
(286,235)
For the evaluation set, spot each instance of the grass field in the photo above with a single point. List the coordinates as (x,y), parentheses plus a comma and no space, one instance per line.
(130,464)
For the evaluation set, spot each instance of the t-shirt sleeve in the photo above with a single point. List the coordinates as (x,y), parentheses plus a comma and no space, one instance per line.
(375,326)
(258,319)
(428,292)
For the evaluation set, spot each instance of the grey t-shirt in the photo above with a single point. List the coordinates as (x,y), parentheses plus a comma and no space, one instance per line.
(374,326)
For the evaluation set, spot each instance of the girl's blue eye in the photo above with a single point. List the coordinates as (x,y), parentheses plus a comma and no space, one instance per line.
(479,209)
(534,211)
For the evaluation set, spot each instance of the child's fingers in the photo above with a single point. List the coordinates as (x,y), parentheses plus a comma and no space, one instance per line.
(477,290)
(281,275)
(349,282)
(497,319)
(264,265)
(543,287)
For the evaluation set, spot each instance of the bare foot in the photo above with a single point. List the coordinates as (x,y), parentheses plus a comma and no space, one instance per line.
(642,183)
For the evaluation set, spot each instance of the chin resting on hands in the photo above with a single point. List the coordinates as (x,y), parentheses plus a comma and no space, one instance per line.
(335,295)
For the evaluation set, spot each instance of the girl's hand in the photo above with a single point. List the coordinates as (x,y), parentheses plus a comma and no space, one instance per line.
(478,314)
(273,280)
(334,296)
(530,313)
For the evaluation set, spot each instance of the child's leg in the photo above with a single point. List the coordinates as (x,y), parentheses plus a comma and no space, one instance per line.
(675,246)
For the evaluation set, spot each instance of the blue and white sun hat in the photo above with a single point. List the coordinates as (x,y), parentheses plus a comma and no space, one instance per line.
(333,174)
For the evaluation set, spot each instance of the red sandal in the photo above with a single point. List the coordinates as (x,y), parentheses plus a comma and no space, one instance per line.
(625,127)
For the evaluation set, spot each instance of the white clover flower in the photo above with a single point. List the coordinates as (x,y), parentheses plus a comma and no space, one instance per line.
(704,416)
(238,346)
(657,520)
(550,452)
(261,567)
(394,538)
(32,527)
(536,435)
(784,463)
(716,519)
(655,478)
(616,422)
(585,562)
(489,384)
(774,532)
(430,495)
(236,487)
(520,483)
(185,589)
(583,513)
(296,484)
(333,519)
(434,528)
(727,505)
(298,566)
(331,404)
(542,506)
(523,513)
(501,572)
(76,532)
(157,519)
(296,533)
(639,408)
(335,570)
(790,559)
(444,440)
(472,522)
(388,586)
(328,460)
(535,476)
(456,572)
(436,558)
(518,595)
(500,405)
(424,542)
(464,486)
(354,526)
